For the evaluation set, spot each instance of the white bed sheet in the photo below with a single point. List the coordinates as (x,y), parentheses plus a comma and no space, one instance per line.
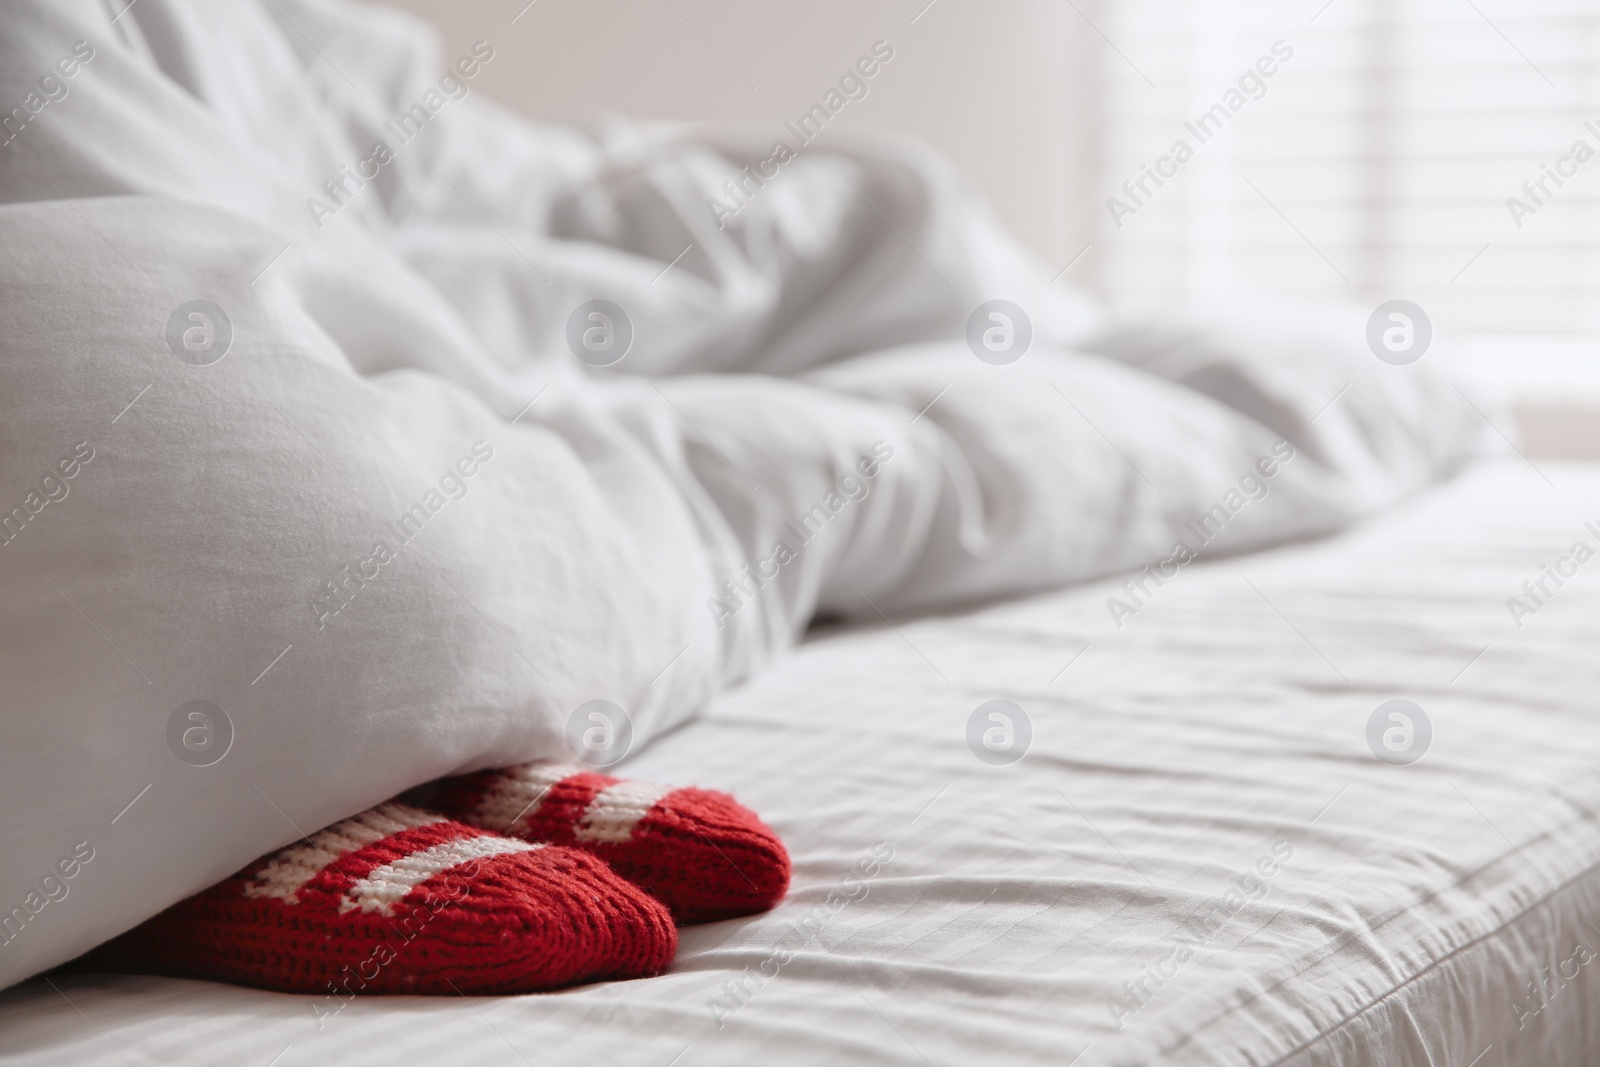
(1227,717)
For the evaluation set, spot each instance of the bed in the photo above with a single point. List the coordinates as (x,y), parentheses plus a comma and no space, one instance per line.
(1199,859)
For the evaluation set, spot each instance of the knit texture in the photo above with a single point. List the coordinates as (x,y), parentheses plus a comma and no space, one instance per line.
(701,853)
(399,900)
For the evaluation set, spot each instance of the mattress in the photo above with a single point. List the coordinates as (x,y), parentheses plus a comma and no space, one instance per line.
(1199,857)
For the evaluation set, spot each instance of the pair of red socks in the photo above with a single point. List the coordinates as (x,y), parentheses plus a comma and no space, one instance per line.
(508,881)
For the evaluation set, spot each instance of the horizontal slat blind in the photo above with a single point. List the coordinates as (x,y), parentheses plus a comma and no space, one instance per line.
(1376,163)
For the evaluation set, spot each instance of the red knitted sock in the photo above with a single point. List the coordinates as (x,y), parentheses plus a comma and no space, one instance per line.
(702,854)
(398,900)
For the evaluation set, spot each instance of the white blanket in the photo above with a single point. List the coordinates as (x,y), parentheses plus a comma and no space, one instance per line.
(294,426)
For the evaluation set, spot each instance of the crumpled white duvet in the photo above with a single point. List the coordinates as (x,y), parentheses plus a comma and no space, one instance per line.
(366,500)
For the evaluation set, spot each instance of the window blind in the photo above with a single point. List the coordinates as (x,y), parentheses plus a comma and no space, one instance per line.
(1440,151)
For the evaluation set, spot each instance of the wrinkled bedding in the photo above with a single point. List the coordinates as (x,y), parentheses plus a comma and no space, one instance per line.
(1441,913)
(344,468)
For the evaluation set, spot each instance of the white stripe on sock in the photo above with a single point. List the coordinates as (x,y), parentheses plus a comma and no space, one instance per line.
(514,798)
(616,810)
(296,865)
(386,886)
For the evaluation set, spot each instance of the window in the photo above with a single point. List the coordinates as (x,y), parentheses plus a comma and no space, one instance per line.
(1443,151)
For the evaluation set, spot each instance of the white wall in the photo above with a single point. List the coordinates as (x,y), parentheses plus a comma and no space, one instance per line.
(992,84)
